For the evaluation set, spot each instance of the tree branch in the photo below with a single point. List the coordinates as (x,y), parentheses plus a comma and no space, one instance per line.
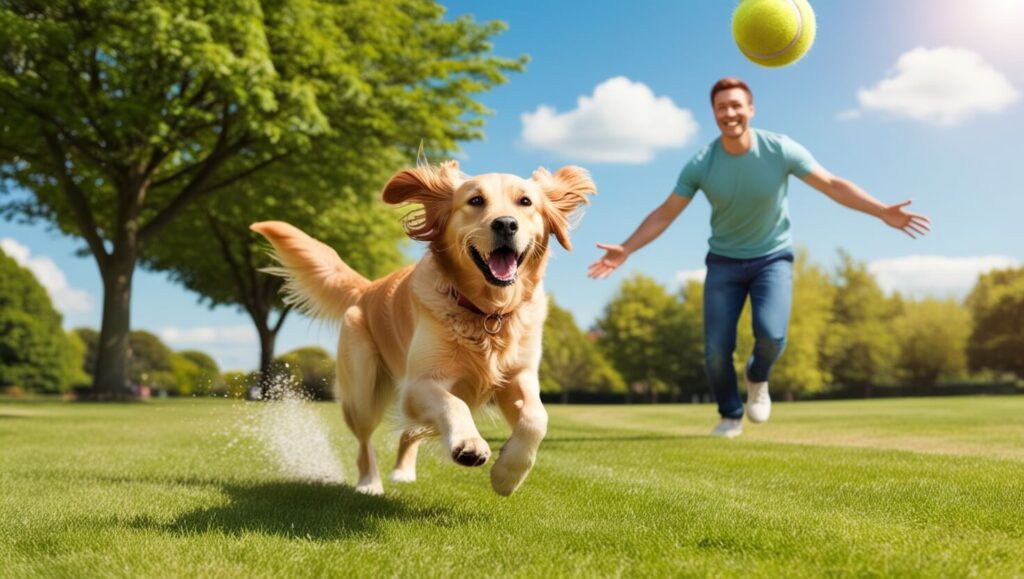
(236,273)
(246,173)
(280,319)
(82,145)
(195,191)
(79,204)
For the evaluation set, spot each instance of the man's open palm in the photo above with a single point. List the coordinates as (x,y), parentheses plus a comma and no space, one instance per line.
(614,256)
(905,221)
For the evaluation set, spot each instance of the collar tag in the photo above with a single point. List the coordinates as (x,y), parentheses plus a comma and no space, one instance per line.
(493,323)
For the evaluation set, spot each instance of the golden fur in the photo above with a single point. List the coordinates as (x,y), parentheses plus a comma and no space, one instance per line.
(405,336)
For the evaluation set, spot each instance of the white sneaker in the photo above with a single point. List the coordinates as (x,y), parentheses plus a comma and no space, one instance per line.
(728,428)
(759,403)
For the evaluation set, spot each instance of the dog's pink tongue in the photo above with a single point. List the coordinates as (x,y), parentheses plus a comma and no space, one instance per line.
(503,265)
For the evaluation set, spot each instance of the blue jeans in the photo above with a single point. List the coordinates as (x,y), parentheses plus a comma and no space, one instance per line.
(768,280)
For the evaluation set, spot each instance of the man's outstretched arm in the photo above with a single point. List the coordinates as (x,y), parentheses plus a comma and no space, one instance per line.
(649,230)
(850,195)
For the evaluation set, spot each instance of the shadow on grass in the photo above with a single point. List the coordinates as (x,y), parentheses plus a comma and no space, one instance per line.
(304,510)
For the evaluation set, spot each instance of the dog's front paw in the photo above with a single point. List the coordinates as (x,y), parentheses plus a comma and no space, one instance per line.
(471,452)
(510,471)
(373,488)
(403,475)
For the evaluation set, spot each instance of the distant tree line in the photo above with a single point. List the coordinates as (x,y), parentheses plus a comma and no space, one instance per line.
(846,337)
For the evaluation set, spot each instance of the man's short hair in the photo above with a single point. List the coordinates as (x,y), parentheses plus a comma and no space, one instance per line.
(728,83)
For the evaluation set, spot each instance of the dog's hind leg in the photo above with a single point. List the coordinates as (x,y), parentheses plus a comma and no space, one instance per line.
(408,445)
(364,393)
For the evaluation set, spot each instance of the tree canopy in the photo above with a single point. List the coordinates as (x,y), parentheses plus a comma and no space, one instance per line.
(571,361)
(117,115)
(997,306)
(35,353)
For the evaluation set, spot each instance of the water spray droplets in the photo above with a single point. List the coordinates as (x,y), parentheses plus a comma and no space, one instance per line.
(292,435)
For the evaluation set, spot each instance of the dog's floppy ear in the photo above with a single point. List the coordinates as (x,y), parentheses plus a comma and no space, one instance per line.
(430,187)
(567,191)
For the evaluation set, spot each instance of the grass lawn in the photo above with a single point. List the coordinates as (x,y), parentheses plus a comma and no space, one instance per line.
(925,487)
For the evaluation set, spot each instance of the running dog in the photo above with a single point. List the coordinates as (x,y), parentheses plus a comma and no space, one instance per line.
(457,329)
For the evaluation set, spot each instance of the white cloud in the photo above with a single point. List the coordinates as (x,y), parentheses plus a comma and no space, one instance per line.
(940,86)
(622,122)
(233,347)
(216,335)
(687,275)
(935,275)
(65,298)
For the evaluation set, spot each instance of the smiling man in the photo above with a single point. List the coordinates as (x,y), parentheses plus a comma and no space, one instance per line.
(745,174)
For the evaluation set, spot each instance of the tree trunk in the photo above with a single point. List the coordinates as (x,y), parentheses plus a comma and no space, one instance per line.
(113,358)
(267,339)
(565,395)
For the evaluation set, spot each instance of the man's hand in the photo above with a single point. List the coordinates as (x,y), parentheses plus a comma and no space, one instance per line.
(907,222)
(615,255)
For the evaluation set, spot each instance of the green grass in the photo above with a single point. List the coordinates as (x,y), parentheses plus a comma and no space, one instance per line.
(929,487)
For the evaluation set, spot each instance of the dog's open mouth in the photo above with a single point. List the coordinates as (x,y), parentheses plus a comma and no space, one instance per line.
(501,267)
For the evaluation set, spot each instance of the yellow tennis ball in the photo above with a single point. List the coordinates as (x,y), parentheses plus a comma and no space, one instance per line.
(773,32)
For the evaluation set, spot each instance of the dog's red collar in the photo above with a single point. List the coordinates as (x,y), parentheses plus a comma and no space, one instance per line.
(492,322)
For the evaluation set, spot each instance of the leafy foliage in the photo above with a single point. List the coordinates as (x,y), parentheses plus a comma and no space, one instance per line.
(997,306)
(638,334)
(196,373)
(35,353)
(152,361)
(310,370)
(571,361)
(932,337)
(861,350)
(118,115)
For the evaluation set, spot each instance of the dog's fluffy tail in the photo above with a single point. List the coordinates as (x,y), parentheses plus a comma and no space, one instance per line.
(319,282)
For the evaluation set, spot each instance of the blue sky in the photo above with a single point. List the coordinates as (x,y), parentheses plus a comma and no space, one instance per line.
(915,99)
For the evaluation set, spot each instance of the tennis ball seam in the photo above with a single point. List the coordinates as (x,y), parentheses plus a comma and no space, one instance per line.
(789,46)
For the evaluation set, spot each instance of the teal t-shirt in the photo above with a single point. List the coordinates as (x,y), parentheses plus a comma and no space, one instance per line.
(749,208)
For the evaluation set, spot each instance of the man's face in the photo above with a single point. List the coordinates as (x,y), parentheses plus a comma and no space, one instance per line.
(733,111)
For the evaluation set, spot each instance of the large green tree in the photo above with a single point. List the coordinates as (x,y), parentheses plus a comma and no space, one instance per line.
(196,373)
(91,339)
(571,360)
(932,337)
(117,115)
(997,306)
(211,251)
(152,362)
(638,334)
(310,370)
(860,347)
(35,353)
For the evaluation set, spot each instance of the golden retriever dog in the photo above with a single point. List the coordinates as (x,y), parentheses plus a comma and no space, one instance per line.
(458,329)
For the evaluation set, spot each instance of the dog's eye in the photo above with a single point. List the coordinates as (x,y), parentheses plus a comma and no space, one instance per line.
(477,201)
(525,201)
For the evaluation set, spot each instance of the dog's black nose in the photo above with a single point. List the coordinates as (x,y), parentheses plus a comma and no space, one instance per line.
(505,226)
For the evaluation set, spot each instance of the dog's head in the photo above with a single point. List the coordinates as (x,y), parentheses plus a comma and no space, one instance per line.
(494,226)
